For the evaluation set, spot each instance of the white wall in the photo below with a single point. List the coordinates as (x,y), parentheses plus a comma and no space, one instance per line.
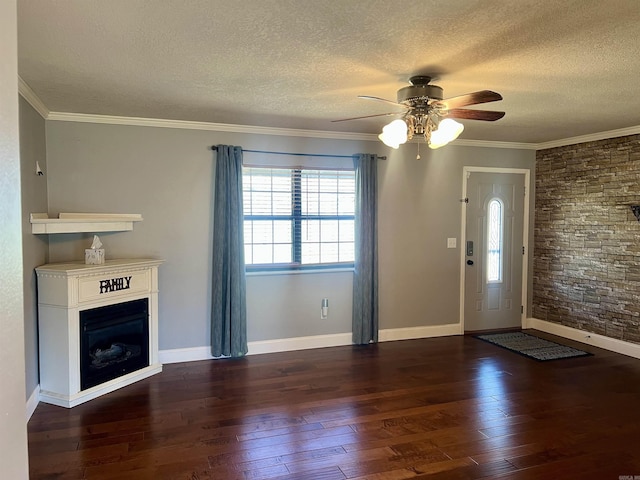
(13,431)
(35,247)
(419,208)
(167,176)
(288,306)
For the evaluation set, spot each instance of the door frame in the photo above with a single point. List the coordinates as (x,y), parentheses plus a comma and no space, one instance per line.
(466,172)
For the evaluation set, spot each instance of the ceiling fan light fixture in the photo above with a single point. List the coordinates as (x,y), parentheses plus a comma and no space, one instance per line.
(424,109)
(394,134)
(447,131)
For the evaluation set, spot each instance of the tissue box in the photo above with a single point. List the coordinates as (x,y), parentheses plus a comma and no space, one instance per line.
(94,256)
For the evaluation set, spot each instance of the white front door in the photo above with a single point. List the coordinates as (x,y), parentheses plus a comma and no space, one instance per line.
(493,250)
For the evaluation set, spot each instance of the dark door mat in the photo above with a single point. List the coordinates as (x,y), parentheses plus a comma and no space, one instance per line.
(532,346)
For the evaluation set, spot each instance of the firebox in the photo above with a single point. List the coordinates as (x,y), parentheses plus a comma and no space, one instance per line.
(114,341)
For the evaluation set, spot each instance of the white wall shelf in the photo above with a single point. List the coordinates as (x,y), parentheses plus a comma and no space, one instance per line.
(44,223)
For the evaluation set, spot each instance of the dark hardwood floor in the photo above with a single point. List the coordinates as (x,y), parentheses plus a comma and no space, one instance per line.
(451,408)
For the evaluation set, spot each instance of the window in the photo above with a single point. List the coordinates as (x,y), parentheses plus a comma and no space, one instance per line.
(298,218)
(494,241)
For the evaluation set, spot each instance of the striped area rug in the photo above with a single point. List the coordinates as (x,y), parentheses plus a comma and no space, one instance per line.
(532,346)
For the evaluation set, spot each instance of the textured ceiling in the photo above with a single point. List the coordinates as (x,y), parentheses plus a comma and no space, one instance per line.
(565,68)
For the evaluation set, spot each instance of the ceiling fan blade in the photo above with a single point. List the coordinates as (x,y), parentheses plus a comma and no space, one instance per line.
(483,96)
(368,116)
(368,97)
(487,115)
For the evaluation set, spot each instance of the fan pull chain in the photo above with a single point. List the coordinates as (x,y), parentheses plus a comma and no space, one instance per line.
(418,156)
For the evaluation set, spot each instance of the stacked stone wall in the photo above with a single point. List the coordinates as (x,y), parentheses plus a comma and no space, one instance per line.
(586,269)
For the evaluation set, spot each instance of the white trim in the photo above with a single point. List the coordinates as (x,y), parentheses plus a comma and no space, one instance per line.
(193,354)
(217,127)
(466,171)
(592,137)
(32,401)
(69,401)
(299,343)
(594,339)
(494,144)
(292,132)
(256,130)
(410,333)
(29,95)
(320,341)
(302,271)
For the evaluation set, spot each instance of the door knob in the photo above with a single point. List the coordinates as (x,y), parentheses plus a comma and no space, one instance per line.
(469,262)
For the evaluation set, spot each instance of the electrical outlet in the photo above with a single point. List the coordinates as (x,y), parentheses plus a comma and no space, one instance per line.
(324,308)
(451,243)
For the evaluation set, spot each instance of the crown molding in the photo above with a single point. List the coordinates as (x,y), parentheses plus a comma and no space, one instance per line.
(256,130)
(492,144)
(40,107)
(460,142)
(217,127)
(593,137)
(29,95)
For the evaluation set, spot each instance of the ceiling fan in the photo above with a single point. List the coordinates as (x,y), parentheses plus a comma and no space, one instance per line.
(428,113)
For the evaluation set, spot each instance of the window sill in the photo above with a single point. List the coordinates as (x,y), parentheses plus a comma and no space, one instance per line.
(259,273)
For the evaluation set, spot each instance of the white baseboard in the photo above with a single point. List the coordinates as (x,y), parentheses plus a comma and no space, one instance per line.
(410,333)
(70,401)
(600,341)
(299,343)
(192,354)
(33,401)
(320,341)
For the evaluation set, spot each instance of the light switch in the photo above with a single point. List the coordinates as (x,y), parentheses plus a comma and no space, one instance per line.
(451,243)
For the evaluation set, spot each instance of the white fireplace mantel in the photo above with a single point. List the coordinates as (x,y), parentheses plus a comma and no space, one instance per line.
(66,289)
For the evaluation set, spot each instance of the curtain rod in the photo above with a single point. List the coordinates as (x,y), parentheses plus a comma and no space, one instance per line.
(215,148)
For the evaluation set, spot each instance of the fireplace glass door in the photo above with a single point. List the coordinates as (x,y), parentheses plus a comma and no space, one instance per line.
(114,341)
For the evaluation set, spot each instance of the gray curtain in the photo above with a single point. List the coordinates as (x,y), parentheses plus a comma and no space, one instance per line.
(365,277)
(228,303)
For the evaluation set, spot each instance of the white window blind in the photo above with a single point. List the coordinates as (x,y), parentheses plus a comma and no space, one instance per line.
(296,218)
